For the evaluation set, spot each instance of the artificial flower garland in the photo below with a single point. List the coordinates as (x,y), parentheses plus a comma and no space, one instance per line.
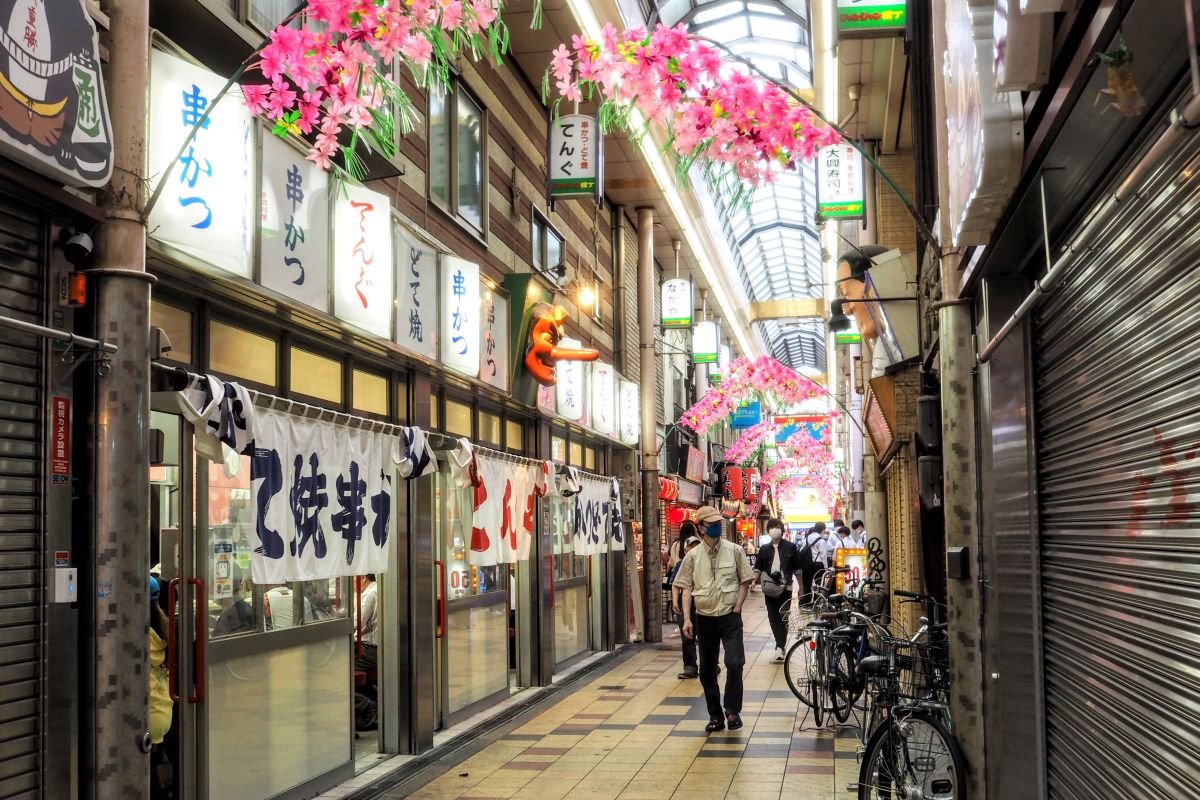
(747,379)
(330,75)
(745,130)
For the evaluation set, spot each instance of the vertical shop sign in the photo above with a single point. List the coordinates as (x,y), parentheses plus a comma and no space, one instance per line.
(294,238)
(460,315)
(416,304)
(574,156)
(570,386)
(677,303)
(60,457)
(362,259)
(493,348)
(631,409)
(53,112)
(547,400)
(705,337)
(205,209)
(841,192)
(603,398)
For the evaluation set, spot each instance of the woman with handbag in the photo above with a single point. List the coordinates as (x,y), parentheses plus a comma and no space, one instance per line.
(777,562)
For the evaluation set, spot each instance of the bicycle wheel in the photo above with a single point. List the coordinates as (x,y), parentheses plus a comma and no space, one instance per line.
(912,755)
(841,682)
(818,689)
(797,667)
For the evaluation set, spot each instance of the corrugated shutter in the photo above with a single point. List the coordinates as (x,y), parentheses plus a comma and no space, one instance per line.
(1117,374)
(22,259)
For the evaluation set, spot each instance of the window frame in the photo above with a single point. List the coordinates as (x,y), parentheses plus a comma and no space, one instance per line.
(451,206)
(540,261)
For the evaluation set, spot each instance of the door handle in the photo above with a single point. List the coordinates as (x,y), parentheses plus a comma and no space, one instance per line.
(201,601)
(172,642)
(441,596)
(589,591)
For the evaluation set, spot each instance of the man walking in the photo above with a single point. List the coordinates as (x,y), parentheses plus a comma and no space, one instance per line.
(777,562)
(715,578)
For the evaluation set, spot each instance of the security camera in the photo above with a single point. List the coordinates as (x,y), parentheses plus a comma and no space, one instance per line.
(78,249)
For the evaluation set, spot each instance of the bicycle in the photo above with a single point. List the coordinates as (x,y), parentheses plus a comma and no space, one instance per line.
(909,751)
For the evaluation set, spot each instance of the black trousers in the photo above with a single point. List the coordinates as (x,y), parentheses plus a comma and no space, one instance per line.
(712,634)
(689,645)
(778,628)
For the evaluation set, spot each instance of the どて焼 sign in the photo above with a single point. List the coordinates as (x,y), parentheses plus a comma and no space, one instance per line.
(53,113)
(574,156)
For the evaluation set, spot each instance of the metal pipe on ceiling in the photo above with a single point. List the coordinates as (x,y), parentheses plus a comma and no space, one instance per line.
(1183,122)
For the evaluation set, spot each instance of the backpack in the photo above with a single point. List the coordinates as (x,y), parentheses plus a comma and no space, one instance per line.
(804,551)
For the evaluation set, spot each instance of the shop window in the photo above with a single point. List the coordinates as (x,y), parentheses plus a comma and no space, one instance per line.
(458,419)
(402,401)
(546,245)
(236,605)
(176,323)
(589,458)
(241,354)
(435,412)
(576,454)
(316,376)
(370,393)
(558,449)
(489,428)
(457,157)
(514,436)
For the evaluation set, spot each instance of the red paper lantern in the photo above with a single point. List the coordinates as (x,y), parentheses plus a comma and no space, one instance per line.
(676,515)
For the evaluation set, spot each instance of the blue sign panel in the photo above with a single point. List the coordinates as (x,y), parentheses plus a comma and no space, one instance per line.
(747,415)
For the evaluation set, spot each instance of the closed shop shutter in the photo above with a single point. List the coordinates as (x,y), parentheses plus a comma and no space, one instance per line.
(1117,374)
(22,260)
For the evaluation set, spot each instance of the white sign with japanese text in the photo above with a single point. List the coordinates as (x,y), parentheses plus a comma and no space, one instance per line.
(294,238)
(705,337)
(631,410)
(322,497)
(493,348)
(574,156)
(206,206)
(570,385)
(416,303)
(603,410)
(362,259)
(841,192)
(460,314)
(677,303)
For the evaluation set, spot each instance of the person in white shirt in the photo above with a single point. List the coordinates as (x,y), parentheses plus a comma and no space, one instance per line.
(858,534)
(814,540)
(367,657)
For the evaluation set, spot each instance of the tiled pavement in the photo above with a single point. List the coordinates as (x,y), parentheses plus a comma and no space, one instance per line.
(637,731)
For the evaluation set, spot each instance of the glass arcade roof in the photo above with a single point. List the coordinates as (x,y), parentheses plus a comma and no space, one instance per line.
(775,247)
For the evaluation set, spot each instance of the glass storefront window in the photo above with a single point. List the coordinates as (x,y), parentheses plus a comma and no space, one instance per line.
(576,453)
(589,459)
(558,449)
(458,418)
(514,436)
(315,375)
(176,323)
(235,605)
(453,508)
(370,393)
(435,412)
(402,401)
(562,530)
(241,354)
(489,428)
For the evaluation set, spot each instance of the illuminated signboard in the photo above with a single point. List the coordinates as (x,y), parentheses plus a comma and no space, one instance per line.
(871,16)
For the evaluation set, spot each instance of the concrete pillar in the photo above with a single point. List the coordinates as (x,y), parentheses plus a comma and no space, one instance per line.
(651,529)
(956,370)
(114,756)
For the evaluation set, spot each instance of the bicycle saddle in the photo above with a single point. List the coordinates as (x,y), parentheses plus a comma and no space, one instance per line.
(872,665)
(820,623)
(849,630)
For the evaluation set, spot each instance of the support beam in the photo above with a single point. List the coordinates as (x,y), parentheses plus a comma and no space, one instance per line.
(651,530)
(795,308)
(116,737)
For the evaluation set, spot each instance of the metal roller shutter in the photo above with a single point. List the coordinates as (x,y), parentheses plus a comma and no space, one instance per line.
(22,260)
(1117,374)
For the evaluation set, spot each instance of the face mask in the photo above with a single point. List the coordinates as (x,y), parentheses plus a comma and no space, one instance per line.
(713,531)
(775,535)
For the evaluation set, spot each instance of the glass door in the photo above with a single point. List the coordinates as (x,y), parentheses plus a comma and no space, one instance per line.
(570,598)
(474,618)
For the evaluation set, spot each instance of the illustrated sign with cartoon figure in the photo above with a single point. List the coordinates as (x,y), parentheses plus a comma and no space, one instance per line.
(53,112)
(543,352)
